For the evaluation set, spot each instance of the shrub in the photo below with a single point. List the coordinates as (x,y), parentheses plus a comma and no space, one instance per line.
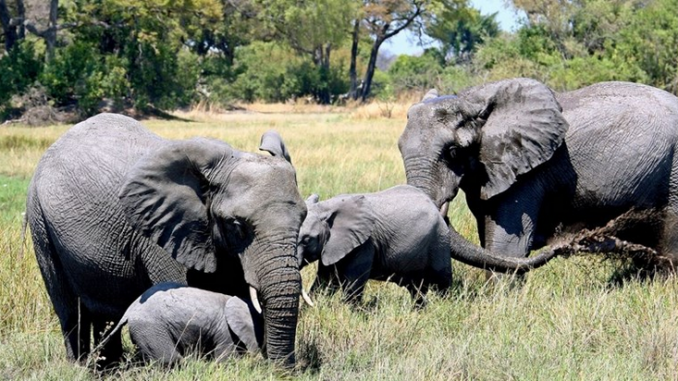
(20,68)
(412,73)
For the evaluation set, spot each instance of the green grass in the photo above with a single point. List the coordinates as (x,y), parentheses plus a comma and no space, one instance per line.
(569,320)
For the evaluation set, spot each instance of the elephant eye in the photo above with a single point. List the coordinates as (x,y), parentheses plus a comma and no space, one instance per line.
(451,152)
(239,228)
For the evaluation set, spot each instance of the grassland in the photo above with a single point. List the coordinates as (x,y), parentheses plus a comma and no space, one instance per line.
(570,320)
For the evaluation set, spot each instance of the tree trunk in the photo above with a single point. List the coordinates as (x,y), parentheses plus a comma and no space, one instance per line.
(353,92)
(51,32)
(371,67)
(10,31)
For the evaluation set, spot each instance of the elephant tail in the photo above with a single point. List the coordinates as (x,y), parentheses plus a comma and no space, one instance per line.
(24,226)
(94,354)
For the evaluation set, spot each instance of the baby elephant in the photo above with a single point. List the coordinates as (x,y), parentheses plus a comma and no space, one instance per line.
(170,320)
(396,235)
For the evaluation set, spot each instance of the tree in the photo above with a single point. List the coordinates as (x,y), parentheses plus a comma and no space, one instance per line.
(312,28)
(459,28)
(650,41)
(12,27)
(383,20)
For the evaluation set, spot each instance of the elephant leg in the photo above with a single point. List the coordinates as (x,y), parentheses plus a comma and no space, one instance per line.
(509,228)
(355,271)
(74,319)
(155,344)
(418,289)
(668,248)
(327,278)
(111,353)
(440,280)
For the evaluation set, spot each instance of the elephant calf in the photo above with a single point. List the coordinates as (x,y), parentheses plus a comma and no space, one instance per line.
(395,235)
(170,320)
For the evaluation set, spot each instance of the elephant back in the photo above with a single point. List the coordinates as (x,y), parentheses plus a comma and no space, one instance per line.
(75,188)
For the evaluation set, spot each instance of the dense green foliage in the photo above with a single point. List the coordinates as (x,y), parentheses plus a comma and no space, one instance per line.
(164,55)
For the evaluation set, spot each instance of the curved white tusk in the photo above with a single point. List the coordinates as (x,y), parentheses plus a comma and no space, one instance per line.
(444,208)
(307,298)
(255,299)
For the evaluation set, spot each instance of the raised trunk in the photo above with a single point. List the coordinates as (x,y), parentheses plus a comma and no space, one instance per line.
(279,290)
(466,252)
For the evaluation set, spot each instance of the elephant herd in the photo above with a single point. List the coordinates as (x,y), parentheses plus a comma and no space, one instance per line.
(196,244)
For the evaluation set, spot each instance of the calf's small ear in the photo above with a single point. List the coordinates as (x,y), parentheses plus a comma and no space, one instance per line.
(351,224)
(244,322)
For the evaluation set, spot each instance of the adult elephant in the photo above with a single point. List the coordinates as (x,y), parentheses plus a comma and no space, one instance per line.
(532,162)
(111,204)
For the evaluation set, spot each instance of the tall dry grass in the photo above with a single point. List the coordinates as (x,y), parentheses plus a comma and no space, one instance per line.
(573,319)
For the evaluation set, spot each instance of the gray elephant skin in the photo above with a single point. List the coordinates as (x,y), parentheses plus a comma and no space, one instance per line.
(396,235)
(533,162)
(170,321)
(114,209)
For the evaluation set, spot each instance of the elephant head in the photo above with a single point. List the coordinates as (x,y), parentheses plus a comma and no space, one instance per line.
(488,135)
(200,199)
(483,138)
(333,228)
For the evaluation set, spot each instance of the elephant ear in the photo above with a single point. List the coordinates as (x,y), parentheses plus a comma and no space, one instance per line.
(272,142)
(351,221)
(241,320)
(431,94)
(166,197)
(524,126)
(313,199)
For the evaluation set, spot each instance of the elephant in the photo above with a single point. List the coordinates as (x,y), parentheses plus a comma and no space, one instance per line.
(169,321)
(535,164)
(394,235)
(114,209)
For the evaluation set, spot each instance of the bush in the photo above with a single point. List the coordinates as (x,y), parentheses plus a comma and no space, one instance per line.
(20,68)
(272,73)
(415,73)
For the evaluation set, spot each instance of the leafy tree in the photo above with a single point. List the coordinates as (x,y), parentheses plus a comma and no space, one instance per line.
(411,72)
(383,20)
(650,41)
(20,67)
(459,28)
(312,28)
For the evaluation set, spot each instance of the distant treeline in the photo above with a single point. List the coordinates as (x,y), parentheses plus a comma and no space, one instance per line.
(89,55)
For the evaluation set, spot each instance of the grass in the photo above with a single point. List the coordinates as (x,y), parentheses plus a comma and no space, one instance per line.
(569,320)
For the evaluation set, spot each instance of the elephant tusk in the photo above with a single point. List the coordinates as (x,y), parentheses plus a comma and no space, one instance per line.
(444,208)
(255,299)
(307,298)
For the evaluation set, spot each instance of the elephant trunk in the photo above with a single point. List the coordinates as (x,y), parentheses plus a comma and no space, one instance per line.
(279,289)
(466,252)
(425,174)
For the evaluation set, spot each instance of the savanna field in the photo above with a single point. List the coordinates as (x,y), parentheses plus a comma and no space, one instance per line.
(583,317)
